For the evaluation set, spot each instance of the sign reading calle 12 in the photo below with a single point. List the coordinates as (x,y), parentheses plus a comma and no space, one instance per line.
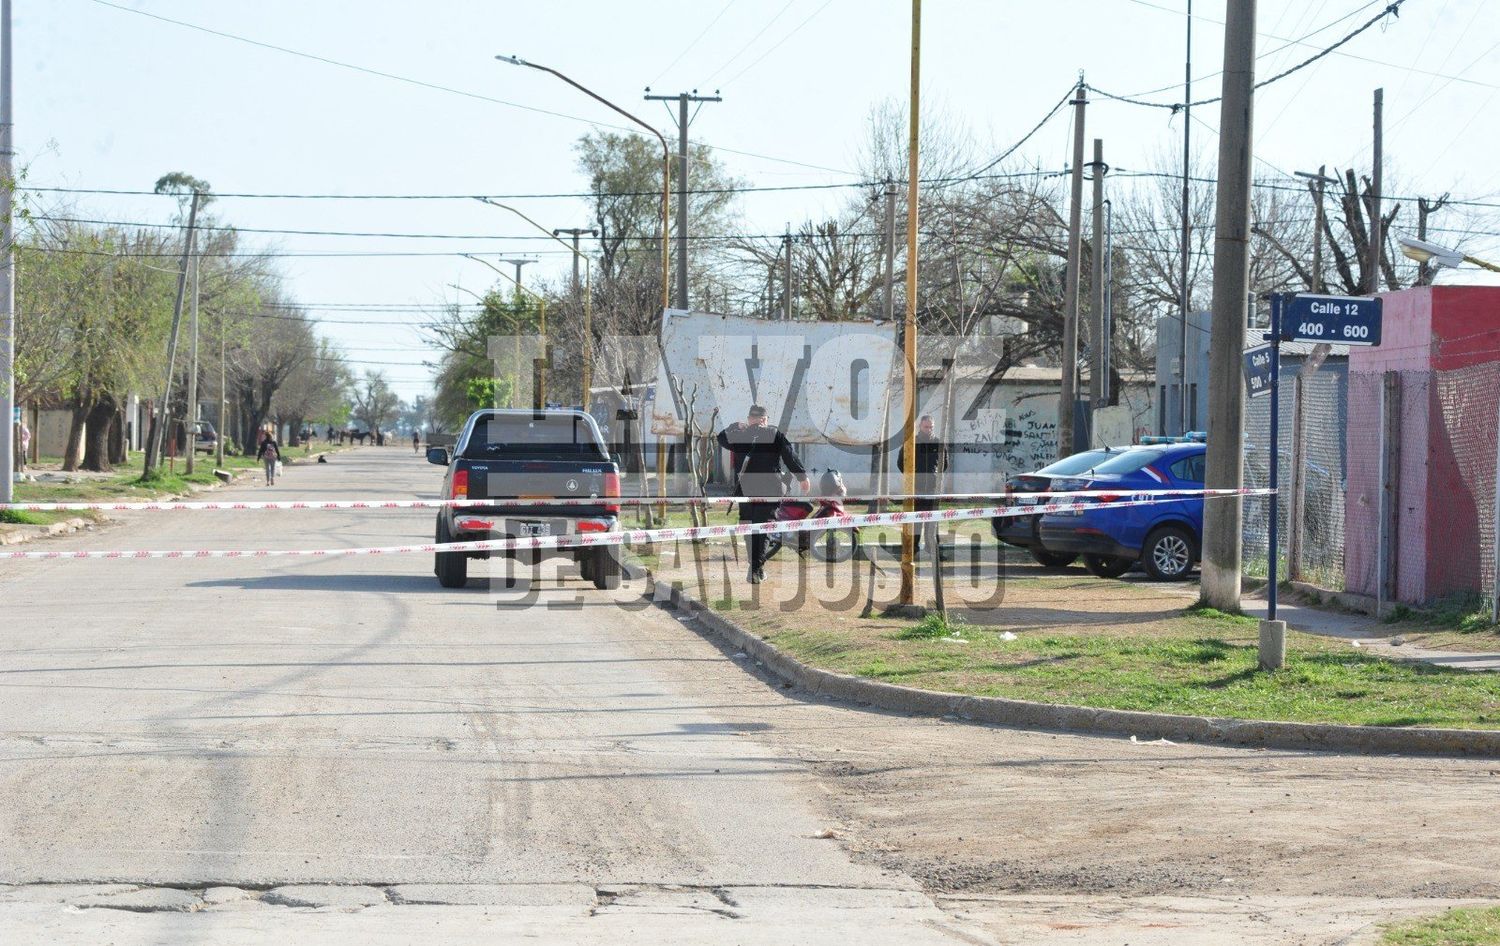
(1338,320)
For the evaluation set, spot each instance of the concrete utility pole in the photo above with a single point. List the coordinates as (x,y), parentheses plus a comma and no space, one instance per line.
(192,385)
(164,409)
(1377,237)
(223,398)
(1222,518)
(1099,342)
(7,268)
(682,99)
(909,338)
(786,276)
(576,233)
(518,263)
(1069,358)
(1187,226)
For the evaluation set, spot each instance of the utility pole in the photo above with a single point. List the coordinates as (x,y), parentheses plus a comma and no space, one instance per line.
(223,397)
(1187,226)
(909,337)
(1069,358)
(1223,518)
(164,410)
(192,387)
(1099,371)
(1377,237)
(576,233)
(518,263)
(7,267)
(683,99)
(786,276)
(1317,183)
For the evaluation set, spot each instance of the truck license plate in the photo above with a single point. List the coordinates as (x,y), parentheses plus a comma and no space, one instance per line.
(536,528)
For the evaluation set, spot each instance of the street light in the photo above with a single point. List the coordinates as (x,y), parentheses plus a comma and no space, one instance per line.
(1430,253)
(588,293)
(666,166)
(539,397)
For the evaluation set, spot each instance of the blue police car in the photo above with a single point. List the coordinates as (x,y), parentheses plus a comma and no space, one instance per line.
(1164,537)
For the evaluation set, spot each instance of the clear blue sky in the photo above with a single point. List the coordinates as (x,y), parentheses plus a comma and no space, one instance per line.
(113,99)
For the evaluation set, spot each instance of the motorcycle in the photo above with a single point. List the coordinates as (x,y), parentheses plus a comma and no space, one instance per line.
(829,545)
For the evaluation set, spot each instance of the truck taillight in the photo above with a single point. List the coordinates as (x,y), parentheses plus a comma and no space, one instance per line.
(460,485)
(612,488)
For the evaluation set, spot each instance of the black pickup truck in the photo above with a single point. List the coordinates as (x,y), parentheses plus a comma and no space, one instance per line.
(532,455)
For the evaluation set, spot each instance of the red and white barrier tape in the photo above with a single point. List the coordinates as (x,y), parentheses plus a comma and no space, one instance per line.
(563,501)
(647,536)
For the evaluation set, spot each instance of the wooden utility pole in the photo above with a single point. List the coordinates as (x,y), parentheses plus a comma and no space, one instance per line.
(192,380)
(1223,518)
(909,340)
(1377,225)
(1098,341)
(1068,360)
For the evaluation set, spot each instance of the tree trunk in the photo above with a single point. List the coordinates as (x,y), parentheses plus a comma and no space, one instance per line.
(119,450)
(72,451)
(295,439)
(96,434)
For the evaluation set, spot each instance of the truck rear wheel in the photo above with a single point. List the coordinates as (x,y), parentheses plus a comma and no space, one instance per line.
(451,568)
(585,562)
(605,569)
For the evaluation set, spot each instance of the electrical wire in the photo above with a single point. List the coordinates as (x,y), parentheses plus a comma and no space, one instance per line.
(769,23)
(694,42)
(795,30)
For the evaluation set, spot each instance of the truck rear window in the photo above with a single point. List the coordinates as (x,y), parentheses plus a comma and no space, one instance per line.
(531,437)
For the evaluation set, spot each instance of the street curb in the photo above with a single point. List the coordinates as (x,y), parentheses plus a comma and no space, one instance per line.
(64,527)
(1025,714)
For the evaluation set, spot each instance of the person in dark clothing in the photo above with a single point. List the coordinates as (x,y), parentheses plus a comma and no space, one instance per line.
(932,460)
(758,451)
(268,454)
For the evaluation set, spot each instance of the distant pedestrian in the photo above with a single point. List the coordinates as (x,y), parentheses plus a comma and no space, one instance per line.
(931,461)
(25,445)
(330,433)
(758,451)
(416,441)
(269,455)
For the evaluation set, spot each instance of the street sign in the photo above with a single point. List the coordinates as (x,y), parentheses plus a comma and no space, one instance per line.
(1258,370)
(1338,320)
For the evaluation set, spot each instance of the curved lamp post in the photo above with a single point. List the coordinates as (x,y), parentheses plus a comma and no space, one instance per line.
(1432,254)
(666,167)
(588,295)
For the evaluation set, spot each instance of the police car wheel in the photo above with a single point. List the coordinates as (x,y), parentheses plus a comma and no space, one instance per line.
(1048,559)
(1169,554)
(1106,566)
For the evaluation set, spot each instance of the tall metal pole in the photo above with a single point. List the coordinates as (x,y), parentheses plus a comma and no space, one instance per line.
(1109,294)
(786,276)
(1069,358)
(1099,369)
(683,99)
(889,308)
(1317,286)
(1222,518)
(7,267)
(163,410)
(1187,227)
(192,385)
(1377,225)
(223,398)
(909,340)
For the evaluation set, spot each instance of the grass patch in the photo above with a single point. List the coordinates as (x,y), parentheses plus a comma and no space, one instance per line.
(127,484)
(1463,927)
(1214,614)
(931,627)
(25,517)
(1193,664)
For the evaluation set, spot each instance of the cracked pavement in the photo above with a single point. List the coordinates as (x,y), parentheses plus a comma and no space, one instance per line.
(339,751)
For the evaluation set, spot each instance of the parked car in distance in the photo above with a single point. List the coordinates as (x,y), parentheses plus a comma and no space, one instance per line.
(1164,537)
(533,455)
(207,439)
(1022,531)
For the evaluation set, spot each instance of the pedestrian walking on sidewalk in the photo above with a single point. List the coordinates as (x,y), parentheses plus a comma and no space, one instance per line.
(759,451)
(932,460)
(269,455)
(416,441)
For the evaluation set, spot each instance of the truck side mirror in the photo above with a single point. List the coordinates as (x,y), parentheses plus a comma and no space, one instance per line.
(437,455)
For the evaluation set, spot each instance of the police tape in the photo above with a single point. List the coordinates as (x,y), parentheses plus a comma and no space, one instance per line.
(650,536)
(561,502)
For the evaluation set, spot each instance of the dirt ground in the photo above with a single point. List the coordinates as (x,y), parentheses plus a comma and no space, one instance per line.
(1170,843)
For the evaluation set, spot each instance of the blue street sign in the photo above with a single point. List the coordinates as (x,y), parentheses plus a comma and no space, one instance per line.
(1338,320)
(1258,370)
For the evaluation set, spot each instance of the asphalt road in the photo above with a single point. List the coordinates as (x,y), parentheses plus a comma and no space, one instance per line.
(339,751)
(255,723)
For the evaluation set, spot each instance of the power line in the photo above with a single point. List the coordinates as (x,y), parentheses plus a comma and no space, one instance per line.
(752,40)
(795,30)
(704,32)
(436,87)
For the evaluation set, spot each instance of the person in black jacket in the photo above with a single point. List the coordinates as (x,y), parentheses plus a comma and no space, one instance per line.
(758,451)
(932,459)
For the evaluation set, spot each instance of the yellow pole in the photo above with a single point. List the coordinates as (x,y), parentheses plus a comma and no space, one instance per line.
(909,392)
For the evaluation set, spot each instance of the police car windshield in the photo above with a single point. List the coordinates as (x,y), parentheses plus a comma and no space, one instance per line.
(1130,461)
(1078,462)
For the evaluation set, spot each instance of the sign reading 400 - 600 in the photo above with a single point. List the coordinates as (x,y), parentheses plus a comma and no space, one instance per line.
(1339,320)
